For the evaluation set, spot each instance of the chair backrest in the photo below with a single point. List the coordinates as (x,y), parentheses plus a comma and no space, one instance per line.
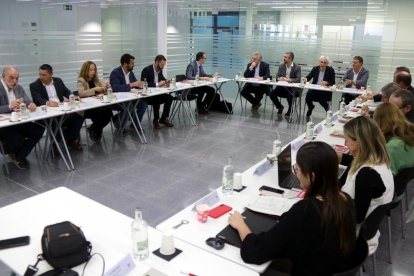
(373,221)
(401,180)
(179,78)
(358,257)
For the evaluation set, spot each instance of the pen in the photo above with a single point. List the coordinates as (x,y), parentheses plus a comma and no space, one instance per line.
(232,214)
(187,273)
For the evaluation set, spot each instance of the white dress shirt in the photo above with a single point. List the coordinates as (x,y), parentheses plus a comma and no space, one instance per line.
(51,92)
(155,76)
(288,69)
(10,94)
(355,78)
(126,77)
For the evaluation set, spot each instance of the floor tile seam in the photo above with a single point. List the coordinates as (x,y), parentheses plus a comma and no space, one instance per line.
(17,183)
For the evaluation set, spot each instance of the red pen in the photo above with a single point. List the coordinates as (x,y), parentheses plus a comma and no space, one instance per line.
(187,273)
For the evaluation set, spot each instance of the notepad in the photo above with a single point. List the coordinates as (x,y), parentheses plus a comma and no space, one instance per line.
(271,205)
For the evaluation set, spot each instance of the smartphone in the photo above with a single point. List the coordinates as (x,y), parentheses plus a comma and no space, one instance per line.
(4,244)
(270,189)
(219,211)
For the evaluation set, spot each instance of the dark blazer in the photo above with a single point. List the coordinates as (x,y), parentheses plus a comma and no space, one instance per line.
(148,73)
(295,73)
(18,93)
(362,78)
(329,75)
(117,80)
(191,71)
(39,93)
(264,71)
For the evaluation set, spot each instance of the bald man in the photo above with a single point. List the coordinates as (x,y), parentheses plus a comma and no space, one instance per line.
(403,79)
(18,140)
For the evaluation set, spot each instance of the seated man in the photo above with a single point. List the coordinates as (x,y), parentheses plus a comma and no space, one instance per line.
(155,78)
(193,68)
(386,92)
(403,79)
(404,100)
(22,138)
(290,72)
(48,90)
(122,79)
(257,69)
(323,75)
(356,77)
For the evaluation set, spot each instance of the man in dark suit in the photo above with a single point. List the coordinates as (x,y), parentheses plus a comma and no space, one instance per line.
(356,77)
(122,79)
(257,69)
(193,68)
(47,90)
(19,140)
(154,77)
(404,100)
(322,75)
(290,72)
(403,79)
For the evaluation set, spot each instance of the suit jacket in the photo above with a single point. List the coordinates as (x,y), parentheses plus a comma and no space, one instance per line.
(361,80)
(264,71)
(191,71)
(117,80)
(39,93)
(295,72)
(4,99)
(328,77)
(148,73)
(83,88)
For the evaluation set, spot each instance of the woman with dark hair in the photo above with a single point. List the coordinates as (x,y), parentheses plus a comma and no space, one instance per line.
(318,233)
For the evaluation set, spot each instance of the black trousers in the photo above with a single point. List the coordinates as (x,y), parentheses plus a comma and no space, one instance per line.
(21,139)
(258,92)
(100,118)
(348,97)
(283,92)
(200,91)
(71,127)
(318,96)
(156,102)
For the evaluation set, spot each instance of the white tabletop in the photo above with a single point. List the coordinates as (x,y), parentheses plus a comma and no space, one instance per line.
(107,230)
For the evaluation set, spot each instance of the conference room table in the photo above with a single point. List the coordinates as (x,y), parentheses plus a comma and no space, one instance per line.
(109,233)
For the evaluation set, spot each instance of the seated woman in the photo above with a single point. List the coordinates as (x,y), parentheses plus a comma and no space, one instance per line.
(399,134)
(89,85)
(369,179)
(318,233)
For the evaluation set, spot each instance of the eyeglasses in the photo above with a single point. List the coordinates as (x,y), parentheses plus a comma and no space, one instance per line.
(402,107)
(294,169)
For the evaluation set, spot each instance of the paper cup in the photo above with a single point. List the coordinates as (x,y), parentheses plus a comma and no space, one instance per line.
(14,117)
(167,243)
(268,80)
(271,158)
(66,106)
(237,181)
(362,89)
(105,99)
(236,77)
(202,212)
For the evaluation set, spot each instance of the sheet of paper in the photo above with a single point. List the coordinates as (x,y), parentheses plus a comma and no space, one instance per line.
(121,97)
(180,85)
(314,86)
(122,268)
(271,205)
(209,199)
(154,272)
(253,79)
(153,91)
(262,168)
(36,114)
(282,82)
(350,90)
(83,105)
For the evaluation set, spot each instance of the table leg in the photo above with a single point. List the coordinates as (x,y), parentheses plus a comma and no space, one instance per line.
(62,118)
(240,86)
(188,109)
(134,108)
(218,90)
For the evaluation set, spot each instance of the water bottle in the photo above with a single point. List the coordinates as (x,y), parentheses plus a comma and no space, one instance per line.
(276,147)
(197,79)
(228,177)
(215,79)
(302,82)
(72,102)
(145,86)
(24,112)
(110,93)
(173,83)
(341,85)
(309,130)
(139,233)
(342,108)
(328,121)
(240,76)
(369,89)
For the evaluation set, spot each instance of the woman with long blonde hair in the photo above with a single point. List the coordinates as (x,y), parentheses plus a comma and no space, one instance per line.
(369,180)
(90,85)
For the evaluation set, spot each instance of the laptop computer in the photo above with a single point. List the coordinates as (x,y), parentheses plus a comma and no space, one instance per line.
(257,223)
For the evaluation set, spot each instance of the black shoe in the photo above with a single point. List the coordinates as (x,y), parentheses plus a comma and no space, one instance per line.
(287,114)
(92,134)
(18,162)
(279,112)
(23,163)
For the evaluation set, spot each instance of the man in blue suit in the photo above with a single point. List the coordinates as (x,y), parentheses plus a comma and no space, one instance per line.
(122,79)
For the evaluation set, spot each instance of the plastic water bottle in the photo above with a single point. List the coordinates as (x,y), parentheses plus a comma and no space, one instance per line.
(240,76)
(341,85)
(24,112)
(145,87)
(228,177)
(215,79)
(342,108)
(173,83)
(139,233)
(369,89)
(72,102)
(328,121)
(276,147)
(302,82)
(309,130)
(110,93)
(197,79)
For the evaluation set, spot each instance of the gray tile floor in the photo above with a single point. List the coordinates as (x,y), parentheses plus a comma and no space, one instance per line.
(177,167)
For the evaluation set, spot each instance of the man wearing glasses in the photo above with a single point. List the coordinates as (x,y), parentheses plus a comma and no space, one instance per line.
(193,68)
(404,100)
(385,95)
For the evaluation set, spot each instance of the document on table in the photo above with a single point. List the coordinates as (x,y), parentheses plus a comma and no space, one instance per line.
(253,79)
(283,82)
(271,205)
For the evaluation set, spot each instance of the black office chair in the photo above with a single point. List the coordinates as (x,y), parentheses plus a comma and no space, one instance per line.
(401,181)
(371,225)
(359,256)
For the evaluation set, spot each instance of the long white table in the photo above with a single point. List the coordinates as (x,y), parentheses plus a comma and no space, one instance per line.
(107,230)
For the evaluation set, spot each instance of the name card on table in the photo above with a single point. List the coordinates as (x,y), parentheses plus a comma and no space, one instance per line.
(347,108)
(180,85)
(152,91)
(296,146)
(335,117)
(262,168)
(121,97)
(37,114)
(125,266)
(318,129)
(283,82)
(350,90)
(221,79)
(253,79)
(209,199)
(202,82)
(83,105)
(314,86)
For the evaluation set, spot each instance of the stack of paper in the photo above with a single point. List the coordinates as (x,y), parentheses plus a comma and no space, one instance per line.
(271,205)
